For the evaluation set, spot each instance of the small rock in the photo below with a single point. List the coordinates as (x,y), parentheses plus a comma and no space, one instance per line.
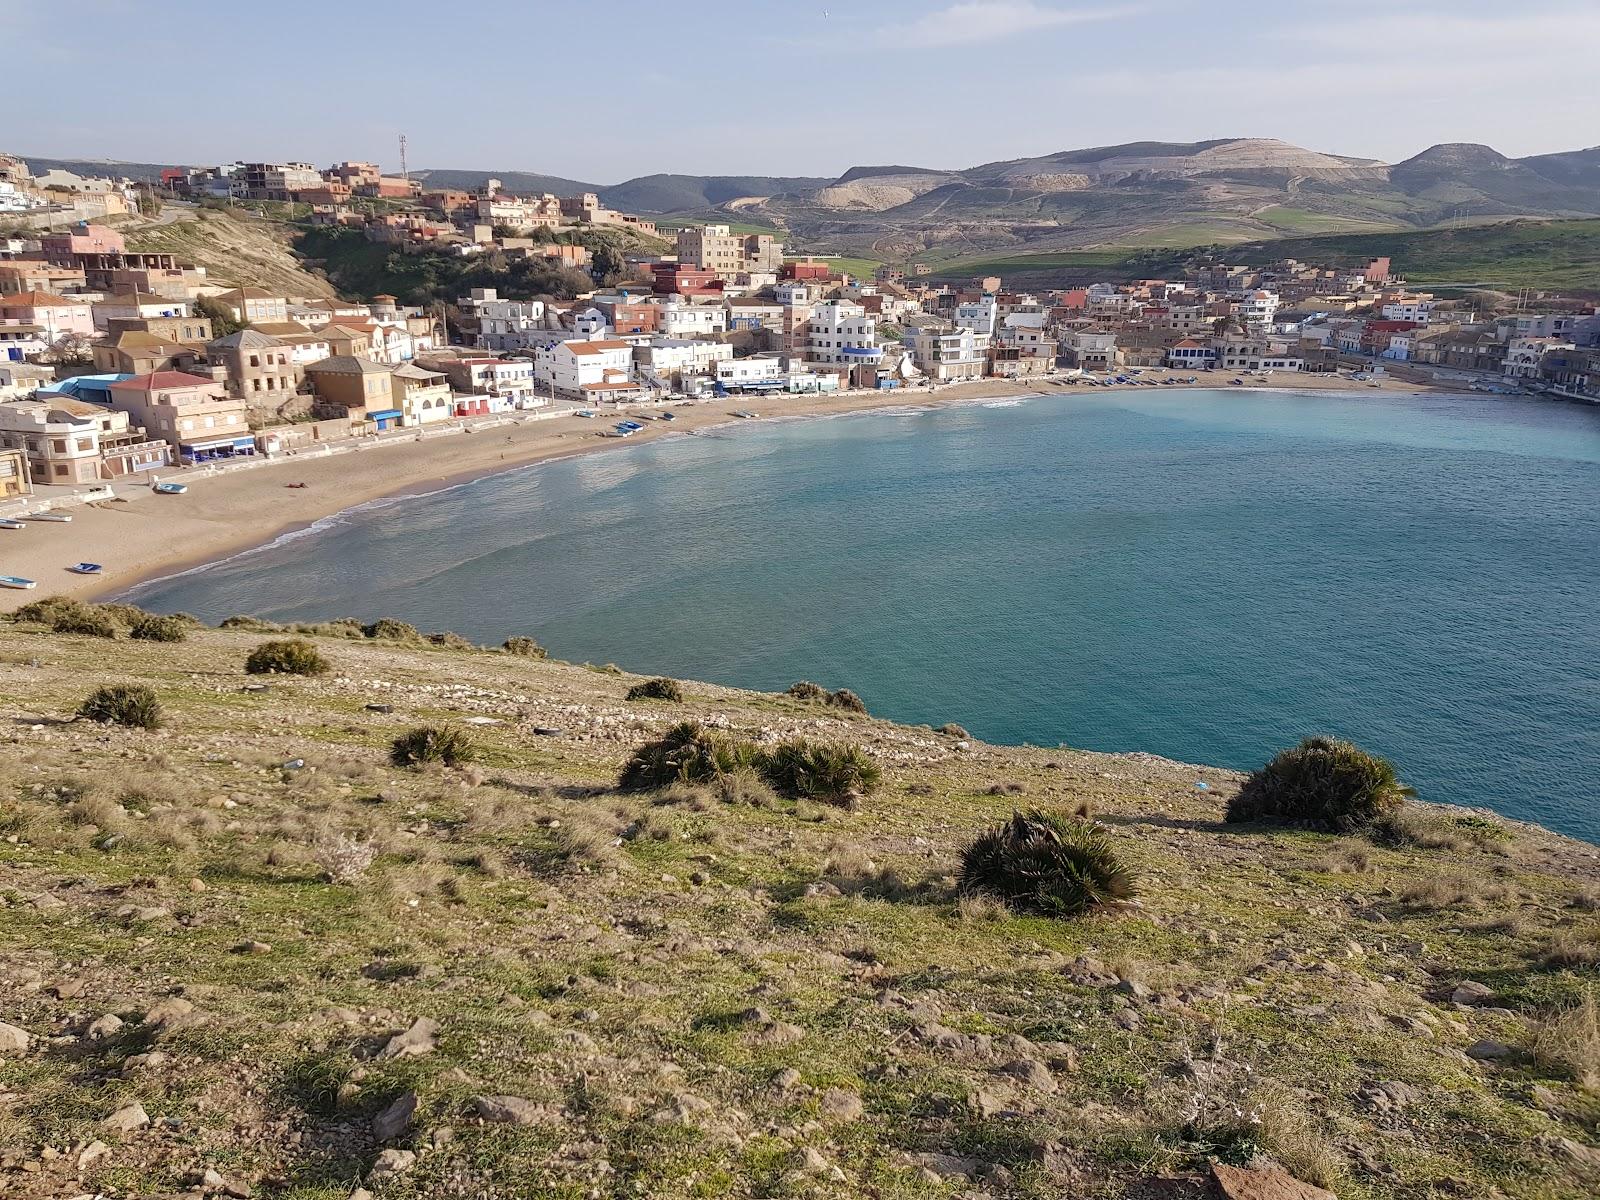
(1471,992)
(392,1162)
(418,1040)
(1386,1096)
(396,1118)
(169,1013)
(104,1027)
(127,1119)
(1488,1050)
(838,1104)
(1268,1183)
(510,1110)
(1566,1148)
(253,947)
(91,1154)
(196,885)
(13,1039)
(1132,987)
(1031,1073)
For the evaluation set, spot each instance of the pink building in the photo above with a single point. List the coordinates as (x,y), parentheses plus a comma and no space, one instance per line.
(55,315)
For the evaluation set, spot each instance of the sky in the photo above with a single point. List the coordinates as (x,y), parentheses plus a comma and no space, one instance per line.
(604,92)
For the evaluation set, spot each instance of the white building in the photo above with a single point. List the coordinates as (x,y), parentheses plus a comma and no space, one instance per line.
(842,334)
(1524,353)
(1420,311)
(978,316)
(505,324)
(946,354)
(567,368)
(758,368)
(669,361)
(680,320)
(1258,309)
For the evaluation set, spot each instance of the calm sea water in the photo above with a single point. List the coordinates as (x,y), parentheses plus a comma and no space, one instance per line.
(1207,575)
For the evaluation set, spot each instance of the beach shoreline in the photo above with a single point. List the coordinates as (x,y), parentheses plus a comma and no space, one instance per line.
(139,537)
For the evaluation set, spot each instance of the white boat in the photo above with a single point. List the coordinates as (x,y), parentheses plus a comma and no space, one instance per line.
(8,523)
(17,581)
(85,568)
(169,489)
(58,518)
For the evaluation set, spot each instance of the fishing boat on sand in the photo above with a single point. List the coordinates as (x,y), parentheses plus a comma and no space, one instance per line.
(8,523)
(17,581)
(169,489)
(58,518)
(85,568)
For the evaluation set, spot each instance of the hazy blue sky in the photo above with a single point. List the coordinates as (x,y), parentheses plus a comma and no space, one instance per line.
(601,92)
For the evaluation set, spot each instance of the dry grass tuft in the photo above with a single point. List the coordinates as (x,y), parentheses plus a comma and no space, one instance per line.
(1573,947)
(1567,1042)
(343,858)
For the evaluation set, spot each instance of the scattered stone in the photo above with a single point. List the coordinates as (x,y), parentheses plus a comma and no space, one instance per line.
(1386,1096)
(170,1013)
(196,885)
(214,1181)
(1472,993)
(67,989)
(104,1027)
(1031,1073)
(838,1104)
(1267,1183)
(1544,1098)
(127,1119)
(1132,987)
(418,1040)
(392,1162)
(1488,1050)
(396,1118)
(786,1080)
(511,1110)
(252,947)
(91,1154)
(13,1039)
(1567,1149)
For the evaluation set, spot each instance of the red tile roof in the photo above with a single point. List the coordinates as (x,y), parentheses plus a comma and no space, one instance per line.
(160,380)
(34,300)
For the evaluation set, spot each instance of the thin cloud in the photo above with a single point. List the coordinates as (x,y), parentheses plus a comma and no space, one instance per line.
(992,21)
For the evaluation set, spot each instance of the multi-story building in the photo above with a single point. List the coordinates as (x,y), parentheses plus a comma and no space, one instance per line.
(1257,310)
(668,362)
(354,388)
(1525,354)
(136,306)
(192,414)
(260,369)
(842,334)
(14,478)
(505,324)
(56,316)
(66,441)
(1089,349)
(255,305)
(714,248)
(422,396)
(568,368)
(678,319)
(977,315)
(944,355)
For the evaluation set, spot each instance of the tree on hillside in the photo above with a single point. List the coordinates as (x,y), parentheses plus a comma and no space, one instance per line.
(223,322)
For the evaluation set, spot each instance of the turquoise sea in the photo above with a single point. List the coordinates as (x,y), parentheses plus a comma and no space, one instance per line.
(1207,575)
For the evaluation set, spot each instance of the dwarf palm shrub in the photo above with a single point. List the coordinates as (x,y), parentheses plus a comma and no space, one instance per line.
(292,656)
(1042,863)
(686,753)
(808,691)
(656,689)
(388,629)
(846,699)
(524,647)
(254,624)
(123,704)
(1322,783)
(85,620)
(431,743)
(151,628)
(830,772)
(47,610)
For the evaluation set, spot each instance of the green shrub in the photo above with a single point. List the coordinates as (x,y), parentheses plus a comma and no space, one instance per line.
(953,730)
(524,647)
(1042,863)
(449,640)
(47,610)
(151,628)
(123,704)
(387,629)
(686,753)
(431,743)
(254,624)
(1322,783)
(846,699)
(656,689)
(824,771)
(808,691)
(87,621)
(292,656)
(123,614)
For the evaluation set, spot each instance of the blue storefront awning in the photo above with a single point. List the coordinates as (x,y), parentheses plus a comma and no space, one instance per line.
(387,414)
(232,443)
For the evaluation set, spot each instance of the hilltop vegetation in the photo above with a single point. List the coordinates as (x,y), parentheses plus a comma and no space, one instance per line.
(235,246)
(1558,255)
(280,939)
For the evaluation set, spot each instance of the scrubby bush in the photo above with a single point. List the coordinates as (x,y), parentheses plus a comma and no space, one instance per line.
(343,858)
(1322,783)
(449,640)
(846,699)
(524,647)
(1042,863)
(47,610)
(292,656)
(123,704)
(952,730)
(388,629)
(123,614)
(151,628)
(1567,1041)
(87,621)
(808,691)
(656,689)
(830,772)
(686,753)
(431,743)
(254,624)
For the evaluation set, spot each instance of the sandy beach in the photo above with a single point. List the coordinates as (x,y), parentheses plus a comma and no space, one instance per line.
(139,535)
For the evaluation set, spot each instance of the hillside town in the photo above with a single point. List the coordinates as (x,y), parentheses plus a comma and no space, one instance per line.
(116,362)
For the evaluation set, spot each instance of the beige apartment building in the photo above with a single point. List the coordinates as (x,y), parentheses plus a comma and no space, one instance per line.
(69,442)
(191,414)
(714,248)
(261,369)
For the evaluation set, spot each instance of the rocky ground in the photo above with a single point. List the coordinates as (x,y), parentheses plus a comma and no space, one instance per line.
(244,955)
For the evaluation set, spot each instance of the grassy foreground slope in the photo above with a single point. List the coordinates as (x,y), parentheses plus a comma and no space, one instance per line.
(542,987)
